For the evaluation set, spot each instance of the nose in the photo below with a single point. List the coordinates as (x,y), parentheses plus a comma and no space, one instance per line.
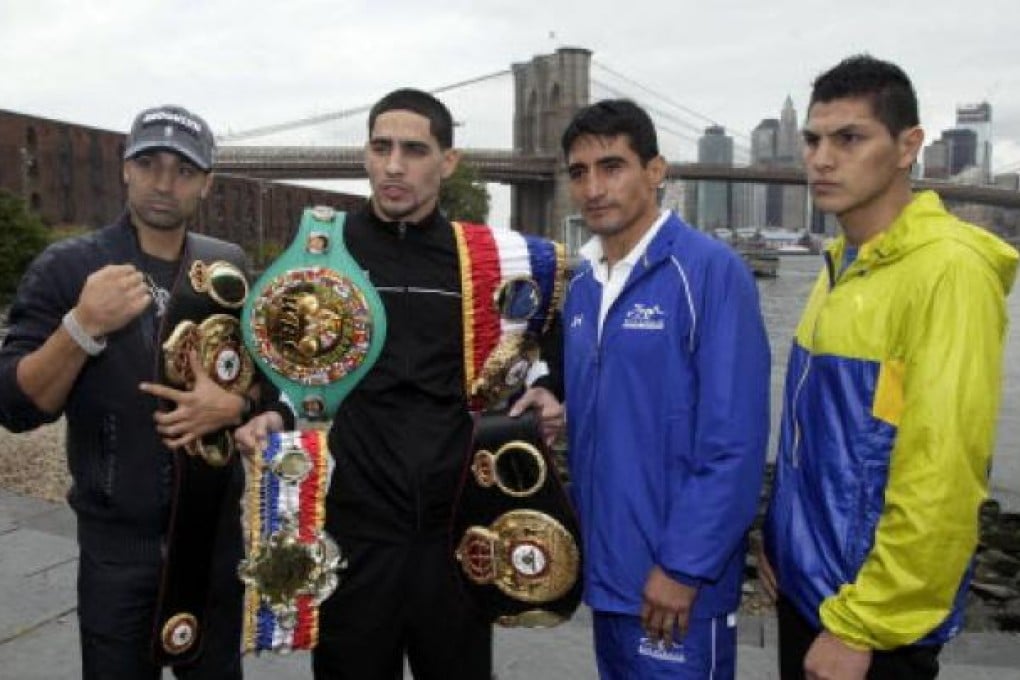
(819,156)
(593,186)
(164,178)
(394,161)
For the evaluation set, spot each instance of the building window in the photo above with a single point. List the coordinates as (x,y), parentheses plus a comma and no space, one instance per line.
(575,234)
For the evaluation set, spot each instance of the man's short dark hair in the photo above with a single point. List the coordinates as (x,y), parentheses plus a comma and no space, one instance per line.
(422,103)
(892,96)
(613,117)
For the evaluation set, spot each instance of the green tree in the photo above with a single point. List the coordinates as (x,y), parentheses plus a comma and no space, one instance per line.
(22,237)
(464,197)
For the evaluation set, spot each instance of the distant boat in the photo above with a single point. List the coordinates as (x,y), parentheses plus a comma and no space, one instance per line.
(763,262)
(793,249)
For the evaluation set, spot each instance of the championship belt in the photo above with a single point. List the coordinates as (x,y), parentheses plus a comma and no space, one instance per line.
(201,317)
(515,532)
(315,326)
(518,544)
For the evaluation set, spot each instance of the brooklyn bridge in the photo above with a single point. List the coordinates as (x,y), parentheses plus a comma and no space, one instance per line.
(547,91)
(70,174)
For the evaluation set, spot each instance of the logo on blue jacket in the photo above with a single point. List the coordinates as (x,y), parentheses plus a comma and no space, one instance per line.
(644,318)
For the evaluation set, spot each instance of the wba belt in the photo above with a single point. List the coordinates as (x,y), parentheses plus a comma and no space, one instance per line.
(514,531)
(314,325)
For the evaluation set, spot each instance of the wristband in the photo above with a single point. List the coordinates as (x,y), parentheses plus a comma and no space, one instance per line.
(91,346)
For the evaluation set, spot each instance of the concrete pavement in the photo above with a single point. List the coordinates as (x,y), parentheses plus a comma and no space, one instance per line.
(39,625)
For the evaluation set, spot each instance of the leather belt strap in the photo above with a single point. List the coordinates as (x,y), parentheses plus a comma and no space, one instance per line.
(516,536)
(199,489)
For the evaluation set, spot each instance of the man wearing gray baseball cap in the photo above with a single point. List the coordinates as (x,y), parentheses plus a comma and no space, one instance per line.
(86,337)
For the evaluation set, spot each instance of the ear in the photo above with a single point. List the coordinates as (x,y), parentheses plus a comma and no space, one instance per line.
(207,185)
(451,158)
(909,145)
(655,170)
(124,171)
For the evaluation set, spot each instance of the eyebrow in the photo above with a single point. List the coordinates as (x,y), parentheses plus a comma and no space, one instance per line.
(382,139)
(601,162)
(849,127)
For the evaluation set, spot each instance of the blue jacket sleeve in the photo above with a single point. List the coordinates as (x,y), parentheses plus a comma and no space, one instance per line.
(714,496)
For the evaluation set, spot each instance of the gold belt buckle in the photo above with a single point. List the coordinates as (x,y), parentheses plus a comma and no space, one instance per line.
(526,554)
(222,355)
(284,568)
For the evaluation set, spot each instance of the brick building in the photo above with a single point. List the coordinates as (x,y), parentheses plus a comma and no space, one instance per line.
(71,175)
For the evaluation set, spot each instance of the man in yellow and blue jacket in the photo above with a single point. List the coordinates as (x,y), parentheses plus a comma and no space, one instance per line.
(892,393)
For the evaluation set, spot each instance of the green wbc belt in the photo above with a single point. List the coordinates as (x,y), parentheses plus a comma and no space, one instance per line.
(314,323)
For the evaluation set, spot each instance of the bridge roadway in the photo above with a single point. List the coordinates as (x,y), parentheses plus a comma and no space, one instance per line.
(347,162)
(510,167)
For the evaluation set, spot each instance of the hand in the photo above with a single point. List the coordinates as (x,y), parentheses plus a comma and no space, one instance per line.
(667,606)
(205,408)
(550,411)
(252,438)
(111,298)
(829,658)
(766,576)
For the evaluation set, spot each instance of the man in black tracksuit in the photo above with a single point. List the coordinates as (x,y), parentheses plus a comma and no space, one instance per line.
(401,436)
(84,342)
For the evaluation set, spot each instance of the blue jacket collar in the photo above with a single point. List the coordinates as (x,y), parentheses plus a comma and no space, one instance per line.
(662,245)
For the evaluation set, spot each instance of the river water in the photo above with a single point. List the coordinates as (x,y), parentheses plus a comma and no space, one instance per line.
(782,299)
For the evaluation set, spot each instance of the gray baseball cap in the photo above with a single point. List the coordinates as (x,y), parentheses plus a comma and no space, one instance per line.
(173,128)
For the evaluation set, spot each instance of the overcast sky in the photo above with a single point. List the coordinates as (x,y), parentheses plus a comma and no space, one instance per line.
(243,64)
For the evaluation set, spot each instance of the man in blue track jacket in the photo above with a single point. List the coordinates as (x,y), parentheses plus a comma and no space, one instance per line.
(667,389)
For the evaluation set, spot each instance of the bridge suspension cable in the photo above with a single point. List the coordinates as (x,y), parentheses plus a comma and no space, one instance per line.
(695,130)
(341,114)
(739,148)
(685,136)
(648,90)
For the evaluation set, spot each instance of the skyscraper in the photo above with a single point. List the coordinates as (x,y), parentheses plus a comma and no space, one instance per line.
(936,160)
(963,145)
(764,142)
(794,210)
(788,137)
(714,147)
(978,118)
(768,198)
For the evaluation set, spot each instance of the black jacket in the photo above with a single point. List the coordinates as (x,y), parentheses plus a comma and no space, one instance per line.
(119,467)
(400,438)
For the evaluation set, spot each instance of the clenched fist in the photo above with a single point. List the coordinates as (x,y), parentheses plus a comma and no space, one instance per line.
(111,298)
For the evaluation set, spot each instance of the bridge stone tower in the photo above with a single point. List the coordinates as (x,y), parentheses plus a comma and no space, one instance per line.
(548,91)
